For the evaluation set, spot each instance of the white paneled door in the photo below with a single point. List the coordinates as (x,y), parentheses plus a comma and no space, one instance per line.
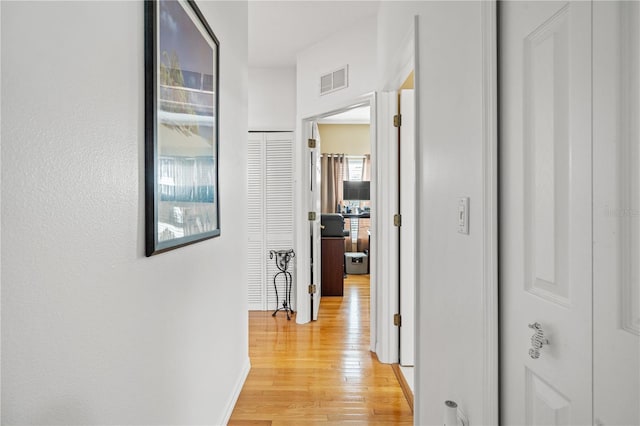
(546,213)
(616,217)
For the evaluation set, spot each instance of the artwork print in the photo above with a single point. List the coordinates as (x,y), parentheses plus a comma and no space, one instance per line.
(181,126)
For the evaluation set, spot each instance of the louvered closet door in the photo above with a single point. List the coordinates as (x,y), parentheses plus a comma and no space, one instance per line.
(256,259)
(270,213)
(278,205)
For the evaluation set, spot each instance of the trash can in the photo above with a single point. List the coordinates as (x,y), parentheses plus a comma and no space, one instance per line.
(356,263)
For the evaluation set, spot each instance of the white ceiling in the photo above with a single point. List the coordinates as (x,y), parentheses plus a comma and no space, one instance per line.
(278,30)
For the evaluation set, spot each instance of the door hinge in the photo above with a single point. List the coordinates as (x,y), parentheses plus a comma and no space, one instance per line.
(397,220)
(311,143)
(312,216)
(397,120)
(312,288)
(397,320)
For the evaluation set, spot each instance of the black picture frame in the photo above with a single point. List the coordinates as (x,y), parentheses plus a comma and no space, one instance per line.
(182,63)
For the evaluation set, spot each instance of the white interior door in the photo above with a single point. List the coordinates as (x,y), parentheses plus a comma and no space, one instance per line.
(546,210)
(315,169)
(408,228)
(386,264)
(616,221)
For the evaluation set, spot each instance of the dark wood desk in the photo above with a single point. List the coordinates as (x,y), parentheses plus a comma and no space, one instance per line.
(332,266)
(366,215)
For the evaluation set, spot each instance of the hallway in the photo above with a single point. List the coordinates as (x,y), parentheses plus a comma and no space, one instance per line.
(322,372)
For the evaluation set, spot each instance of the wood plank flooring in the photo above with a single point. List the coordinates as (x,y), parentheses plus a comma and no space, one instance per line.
(321,372)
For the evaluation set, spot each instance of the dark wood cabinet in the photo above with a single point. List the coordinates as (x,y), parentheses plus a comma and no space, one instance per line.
(332,266)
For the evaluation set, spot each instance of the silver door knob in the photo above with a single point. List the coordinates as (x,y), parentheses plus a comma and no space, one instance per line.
(537,340)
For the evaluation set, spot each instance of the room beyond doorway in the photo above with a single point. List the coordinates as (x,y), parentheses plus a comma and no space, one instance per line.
(309,152)
(345,196)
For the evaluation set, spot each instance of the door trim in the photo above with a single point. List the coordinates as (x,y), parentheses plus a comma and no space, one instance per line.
(490,291)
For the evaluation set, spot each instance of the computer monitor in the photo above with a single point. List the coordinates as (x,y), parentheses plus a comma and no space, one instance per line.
(354,190)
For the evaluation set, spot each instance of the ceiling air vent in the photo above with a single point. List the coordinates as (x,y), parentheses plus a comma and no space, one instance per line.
(336,80)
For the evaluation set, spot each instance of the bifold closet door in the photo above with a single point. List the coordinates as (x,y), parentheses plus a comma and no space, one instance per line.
(269,213)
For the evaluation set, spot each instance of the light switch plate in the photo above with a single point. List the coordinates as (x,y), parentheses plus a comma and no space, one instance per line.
(463,215)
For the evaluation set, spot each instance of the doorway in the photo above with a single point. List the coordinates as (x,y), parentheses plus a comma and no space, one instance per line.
(308,297)
(345,197)
(346,212)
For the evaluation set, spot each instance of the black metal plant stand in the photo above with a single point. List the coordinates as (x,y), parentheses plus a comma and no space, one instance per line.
(282,262)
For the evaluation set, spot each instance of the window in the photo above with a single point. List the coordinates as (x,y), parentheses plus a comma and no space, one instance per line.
(354,167)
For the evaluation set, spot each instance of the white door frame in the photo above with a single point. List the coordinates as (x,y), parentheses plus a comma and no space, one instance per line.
(383,335)
(302,176)
(490,285)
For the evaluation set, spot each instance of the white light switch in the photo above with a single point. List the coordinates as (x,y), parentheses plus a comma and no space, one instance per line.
(463,215)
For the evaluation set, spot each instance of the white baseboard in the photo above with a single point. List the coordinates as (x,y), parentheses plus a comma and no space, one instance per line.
(408,373)
(236,392)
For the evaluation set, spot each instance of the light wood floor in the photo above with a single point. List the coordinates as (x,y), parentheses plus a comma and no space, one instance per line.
(321,372)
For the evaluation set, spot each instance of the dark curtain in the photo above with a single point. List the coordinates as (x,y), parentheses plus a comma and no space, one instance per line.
(364,224)
(333,173)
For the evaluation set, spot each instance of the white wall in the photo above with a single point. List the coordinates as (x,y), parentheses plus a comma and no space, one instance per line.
(356,47)
(449,163)
(349,139)
(272,99)
(92,331)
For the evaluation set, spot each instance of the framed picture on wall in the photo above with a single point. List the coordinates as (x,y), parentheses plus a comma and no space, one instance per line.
(181,126)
